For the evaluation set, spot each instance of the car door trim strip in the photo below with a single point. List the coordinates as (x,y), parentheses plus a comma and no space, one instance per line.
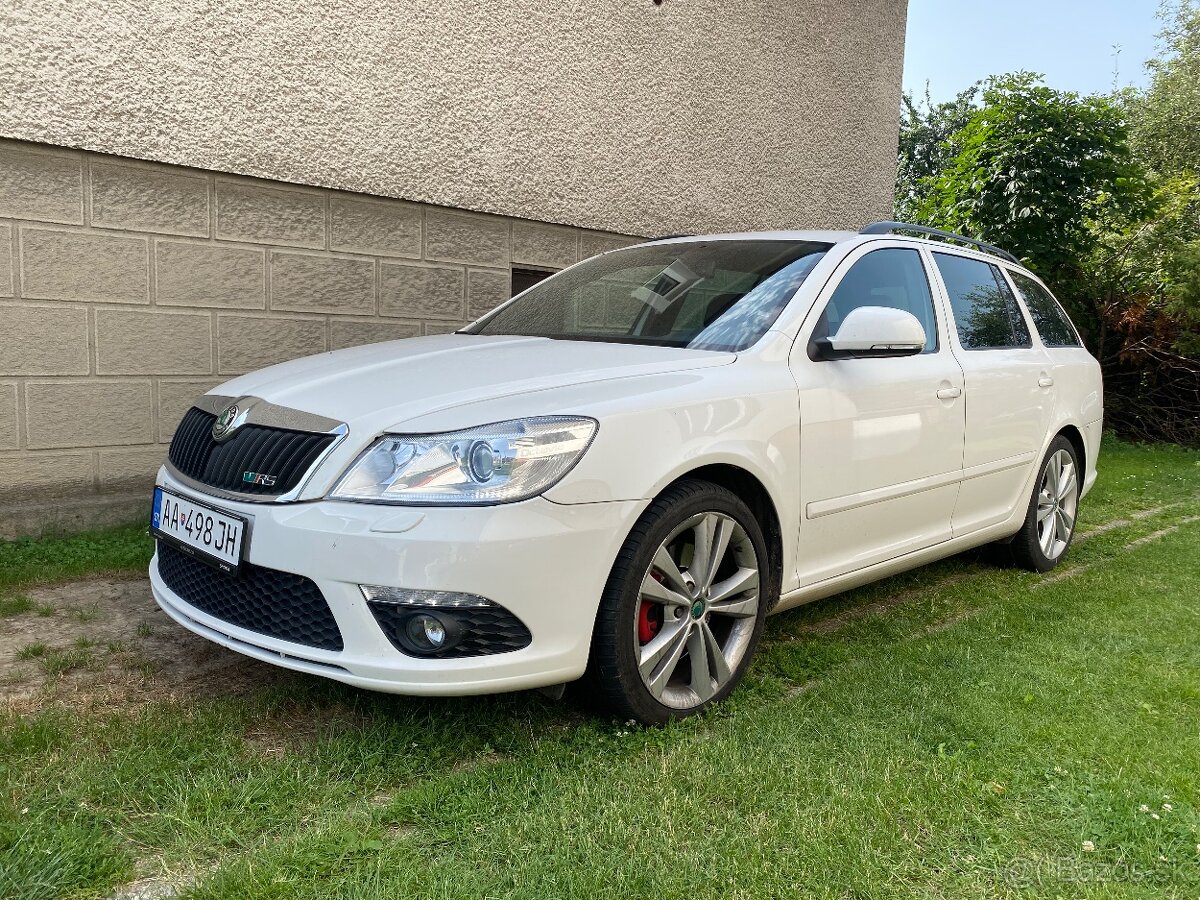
(818,508)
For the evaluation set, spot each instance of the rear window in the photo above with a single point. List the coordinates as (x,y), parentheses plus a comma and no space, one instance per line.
(1048,317)
(985,309)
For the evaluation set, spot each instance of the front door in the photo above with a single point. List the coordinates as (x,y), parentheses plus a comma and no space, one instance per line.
(881,439)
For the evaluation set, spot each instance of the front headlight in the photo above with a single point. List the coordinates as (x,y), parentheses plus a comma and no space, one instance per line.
(498,463)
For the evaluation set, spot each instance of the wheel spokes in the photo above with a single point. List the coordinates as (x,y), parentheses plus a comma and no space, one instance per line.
(657,592)
(1045,506)
(728,597)
(660,657)
(718,665)
(698,653)
(709,669)
(1066,482)
(1063,524)
(706,567)
(1046,537)
(703,533)
(1056,504)
(669,569)
(712,536)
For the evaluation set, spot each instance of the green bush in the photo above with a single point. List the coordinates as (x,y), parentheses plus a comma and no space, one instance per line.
(1099,195)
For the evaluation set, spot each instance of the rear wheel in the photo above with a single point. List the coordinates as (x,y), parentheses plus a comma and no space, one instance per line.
(684,606)
(1049,523)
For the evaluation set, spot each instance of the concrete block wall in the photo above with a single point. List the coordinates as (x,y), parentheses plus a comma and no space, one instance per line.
(129,288)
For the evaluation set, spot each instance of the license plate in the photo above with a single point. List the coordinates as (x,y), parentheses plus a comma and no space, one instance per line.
(206,533)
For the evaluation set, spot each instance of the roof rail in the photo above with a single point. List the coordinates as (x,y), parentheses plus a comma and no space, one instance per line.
(667,237)
(889,227)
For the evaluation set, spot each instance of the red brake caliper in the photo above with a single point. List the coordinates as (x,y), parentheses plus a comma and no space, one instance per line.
(650,617)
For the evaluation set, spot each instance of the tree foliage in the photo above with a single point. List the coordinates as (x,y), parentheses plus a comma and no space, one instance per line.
(1099,195)
(925,132)
(1031,167)
(1167,124)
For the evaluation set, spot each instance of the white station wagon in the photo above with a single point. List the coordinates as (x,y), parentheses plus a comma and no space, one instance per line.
(620,472)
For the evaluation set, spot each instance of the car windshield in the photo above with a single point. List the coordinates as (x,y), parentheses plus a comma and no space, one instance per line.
(703,295)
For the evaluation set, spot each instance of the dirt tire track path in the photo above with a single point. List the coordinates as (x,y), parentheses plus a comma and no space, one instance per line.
(106,641)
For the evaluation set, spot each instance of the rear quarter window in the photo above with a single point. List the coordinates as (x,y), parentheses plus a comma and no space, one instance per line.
(1048,317)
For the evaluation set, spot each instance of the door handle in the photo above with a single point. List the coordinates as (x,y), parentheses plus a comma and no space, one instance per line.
(1045,381)
(949,393)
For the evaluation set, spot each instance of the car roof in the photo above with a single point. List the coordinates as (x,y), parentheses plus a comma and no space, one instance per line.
(836,237)
(825,237)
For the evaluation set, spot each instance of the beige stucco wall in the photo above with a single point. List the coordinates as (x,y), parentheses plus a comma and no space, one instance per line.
(624,115)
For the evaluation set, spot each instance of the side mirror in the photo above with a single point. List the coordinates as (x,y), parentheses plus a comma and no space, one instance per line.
(872,331)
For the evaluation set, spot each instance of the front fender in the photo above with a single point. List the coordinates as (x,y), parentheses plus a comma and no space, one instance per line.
(655,429)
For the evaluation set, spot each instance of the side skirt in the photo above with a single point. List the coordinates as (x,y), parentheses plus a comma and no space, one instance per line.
(830,586)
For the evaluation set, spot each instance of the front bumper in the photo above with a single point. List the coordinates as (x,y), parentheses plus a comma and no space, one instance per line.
(545,562)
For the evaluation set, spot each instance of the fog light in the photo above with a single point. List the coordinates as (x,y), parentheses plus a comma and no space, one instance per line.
(426,631)
(444,624)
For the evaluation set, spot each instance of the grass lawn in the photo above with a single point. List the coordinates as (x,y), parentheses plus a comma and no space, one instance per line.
(115,551)
(959,731)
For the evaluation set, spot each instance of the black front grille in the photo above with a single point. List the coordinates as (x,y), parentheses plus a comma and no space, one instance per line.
(486,629)
(279,454)
(279,604)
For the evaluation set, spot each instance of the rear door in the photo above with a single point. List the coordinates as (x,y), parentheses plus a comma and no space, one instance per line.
(881,439)
(1008,390)
(1073,367)
(1078,387)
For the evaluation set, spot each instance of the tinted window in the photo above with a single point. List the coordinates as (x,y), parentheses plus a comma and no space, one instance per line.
(1049,319)
(985,309)
(704,295)
(894,278)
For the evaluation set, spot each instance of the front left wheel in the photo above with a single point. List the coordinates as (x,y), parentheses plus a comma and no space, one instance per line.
(683,608)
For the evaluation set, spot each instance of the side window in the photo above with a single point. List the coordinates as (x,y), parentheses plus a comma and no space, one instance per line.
(1048,317)
(893,277)
(985,310)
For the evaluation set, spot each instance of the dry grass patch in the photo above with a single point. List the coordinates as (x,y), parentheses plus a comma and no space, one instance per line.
(103,644)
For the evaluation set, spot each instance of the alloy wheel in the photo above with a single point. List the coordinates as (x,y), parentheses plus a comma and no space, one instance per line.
(698,602)
(1057,503)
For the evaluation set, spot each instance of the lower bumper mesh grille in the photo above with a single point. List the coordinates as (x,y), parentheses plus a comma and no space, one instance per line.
(267,601)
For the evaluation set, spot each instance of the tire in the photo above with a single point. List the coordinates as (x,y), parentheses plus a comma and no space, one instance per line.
(1054,503)
(657,617)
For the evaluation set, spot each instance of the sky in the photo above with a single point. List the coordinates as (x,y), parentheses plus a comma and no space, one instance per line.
(953,45)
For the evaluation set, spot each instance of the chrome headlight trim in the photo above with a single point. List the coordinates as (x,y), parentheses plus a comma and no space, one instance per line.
(521,459)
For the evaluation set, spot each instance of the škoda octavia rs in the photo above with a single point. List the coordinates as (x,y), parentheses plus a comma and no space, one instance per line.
(620,472)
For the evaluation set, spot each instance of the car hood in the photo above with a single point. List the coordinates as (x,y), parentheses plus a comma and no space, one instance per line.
(380,386)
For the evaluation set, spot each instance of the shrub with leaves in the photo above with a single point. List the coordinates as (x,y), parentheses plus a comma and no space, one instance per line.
(925,132)
(1031,166)
(1097,194)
